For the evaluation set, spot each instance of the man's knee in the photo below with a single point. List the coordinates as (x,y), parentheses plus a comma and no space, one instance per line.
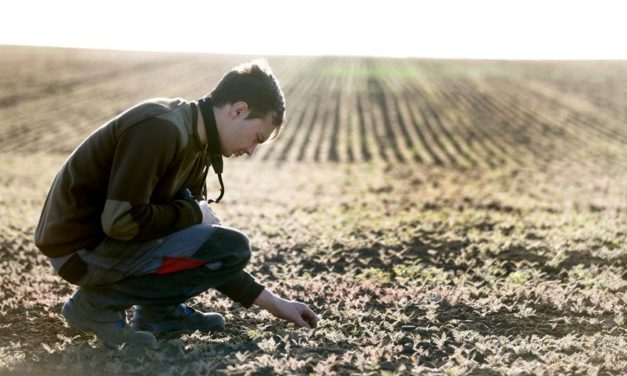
(239,243)
(225,243)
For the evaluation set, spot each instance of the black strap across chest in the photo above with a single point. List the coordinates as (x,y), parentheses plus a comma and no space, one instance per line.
(214,154)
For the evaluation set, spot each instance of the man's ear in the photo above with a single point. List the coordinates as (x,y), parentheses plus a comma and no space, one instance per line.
(238,108)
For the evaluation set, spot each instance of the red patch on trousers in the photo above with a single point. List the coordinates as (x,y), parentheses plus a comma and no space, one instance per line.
(176,264)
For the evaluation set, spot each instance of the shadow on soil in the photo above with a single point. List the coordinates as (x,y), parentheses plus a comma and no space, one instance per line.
(431,250)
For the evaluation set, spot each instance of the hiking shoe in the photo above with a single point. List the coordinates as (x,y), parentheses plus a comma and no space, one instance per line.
(178,318)
(111,333)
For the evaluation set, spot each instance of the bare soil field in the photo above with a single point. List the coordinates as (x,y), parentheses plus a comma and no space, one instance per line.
(440,216)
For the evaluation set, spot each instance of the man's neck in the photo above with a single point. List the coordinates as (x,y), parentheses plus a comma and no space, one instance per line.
(200,125)
(200,128)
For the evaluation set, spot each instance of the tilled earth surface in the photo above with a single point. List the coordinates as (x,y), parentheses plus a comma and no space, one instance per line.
(410,270)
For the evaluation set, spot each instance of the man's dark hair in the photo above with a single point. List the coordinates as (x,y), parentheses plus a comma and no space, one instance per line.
(255,84)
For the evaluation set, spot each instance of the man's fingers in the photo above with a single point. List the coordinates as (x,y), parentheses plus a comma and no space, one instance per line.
(303,319)
(208,215)
(215,220)
(301,323)
(308,315)
(311,319)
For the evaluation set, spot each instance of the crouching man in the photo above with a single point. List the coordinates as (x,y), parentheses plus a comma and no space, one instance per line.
(127,217)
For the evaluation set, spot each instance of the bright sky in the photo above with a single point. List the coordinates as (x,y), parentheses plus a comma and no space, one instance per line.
(502,29)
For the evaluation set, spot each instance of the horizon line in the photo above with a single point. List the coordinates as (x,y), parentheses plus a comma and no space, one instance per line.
(199,52)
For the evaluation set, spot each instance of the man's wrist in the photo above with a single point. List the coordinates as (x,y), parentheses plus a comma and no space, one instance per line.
(267,300)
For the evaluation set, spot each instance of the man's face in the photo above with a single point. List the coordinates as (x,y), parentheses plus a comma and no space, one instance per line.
(243,134)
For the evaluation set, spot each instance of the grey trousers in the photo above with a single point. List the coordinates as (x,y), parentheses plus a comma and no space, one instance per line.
(121,275)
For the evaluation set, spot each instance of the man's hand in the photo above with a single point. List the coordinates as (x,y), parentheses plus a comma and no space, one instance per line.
(296,312)
(208,216)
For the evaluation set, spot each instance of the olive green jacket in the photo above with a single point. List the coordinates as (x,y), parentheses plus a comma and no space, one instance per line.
(123,180)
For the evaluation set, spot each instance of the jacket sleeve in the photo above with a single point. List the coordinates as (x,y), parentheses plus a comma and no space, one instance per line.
(242,289)
(143,155)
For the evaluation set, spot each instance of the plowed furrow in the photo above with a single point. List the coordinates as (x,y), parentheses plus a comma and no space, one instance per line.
(368,137)
(483,115)
(395,123)
(464,136)
(495,147)
(304,142)
(342,145)
(537,95)
(515,132)
(555,140)
(383,124)
(440,144)
(325,117)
